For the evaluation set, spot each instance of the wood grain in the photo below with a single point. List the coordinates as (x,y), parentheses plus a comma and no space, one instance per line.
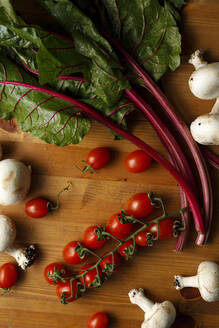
(94,197)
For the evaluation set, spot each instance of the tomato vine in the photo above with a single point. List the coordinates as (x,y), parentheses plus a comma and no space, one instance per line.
(130,241)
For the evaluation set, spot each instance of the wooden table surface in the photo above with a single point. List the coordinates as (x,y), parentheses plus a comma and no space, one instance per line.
(95,197)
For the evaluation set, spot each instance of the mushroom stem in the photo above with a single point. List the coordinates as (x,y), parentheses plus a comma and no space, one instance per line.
(197,60)
(145,304)
(215,108)
(23,256)
(182,282)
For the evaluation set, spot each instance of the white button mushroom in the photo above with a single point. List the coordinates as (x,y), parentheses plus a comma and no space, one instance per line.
(206,280)
(157,315)
(24,257)
(15,180)
(204,84)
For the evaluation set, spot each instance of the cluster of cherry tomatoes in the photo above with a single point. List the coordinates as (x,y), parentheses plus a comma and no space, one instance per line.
(94,237)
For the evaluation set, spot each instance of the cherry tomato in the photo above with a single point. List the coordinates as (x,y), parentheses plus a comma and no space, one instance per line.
(118,229)
(91,278)
(37,208)
(92,237)
(98,320)
(137,161)
(54,272)
(139,205)
(141,238)
(73,253)
(127,249)
(8,275)
(110,264)
(63,291)
(165,229)
(98,158)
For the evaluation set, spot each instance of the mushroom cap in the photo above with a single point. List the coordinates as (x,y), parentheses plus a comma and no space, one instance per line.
(205,129)
(7,232)
(208,277)
(15,180)
(162,316)
(204,82)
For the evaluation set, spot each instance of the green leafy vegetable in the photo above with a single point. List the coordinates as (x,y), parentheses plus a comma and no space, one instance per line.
(146,30)
(106,75)
(46,117)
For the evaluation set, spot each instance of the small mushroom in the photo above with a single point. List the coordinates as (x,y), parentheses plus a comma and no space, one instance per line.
(157,315)
(15,180)
(25,256)
(206,280)
(204,84)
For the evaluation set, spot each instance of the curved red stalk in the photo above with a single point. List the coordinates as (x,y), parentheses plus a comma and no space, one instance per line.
(212,158)
(135,140)
(184,131)
(176,157)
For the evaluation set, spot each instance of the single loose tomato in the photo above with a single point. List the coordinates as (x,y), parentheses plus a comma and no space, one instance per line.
(165,229)
(98,320)
(139,205)
(117,228)
(68,291)
(127,249)
(91,278)
(37,208)
(110,264)
(73,253)
(93,237)
(54,272)
(137,161)
(8,275)
(98,158)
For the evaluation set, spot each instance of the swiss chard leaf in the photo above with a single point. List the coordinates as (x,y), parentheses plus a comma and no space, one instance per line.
(85,93)
(147,31)
(40,50)
(173,6)
(46,117)
(106,74)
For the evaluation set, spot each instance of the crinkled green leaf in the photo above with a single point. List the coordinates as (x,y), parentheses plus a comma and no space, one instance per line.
(48,118)
(49,53)
(147,31)
(106,75)
(84,92)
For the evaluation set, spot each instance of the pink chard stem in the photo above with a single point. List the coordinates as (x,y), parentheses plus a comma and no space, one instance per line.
(184,131)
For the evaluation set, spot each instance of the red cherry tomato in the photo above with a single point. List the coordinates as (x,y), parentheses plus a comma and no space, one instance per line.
(63,291)
(91,278)
(98,320)
(54,272)
(118,229)
(8,275)
(91,239)
(139,205)
(137,161)
(110,264)
(98,158)
(127,249)
(72,255)
(37,208)
(165,229)
(141,238)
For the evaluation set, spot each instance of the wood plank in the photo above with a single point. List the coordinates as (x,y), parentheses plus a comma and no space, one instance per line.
(93,198)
